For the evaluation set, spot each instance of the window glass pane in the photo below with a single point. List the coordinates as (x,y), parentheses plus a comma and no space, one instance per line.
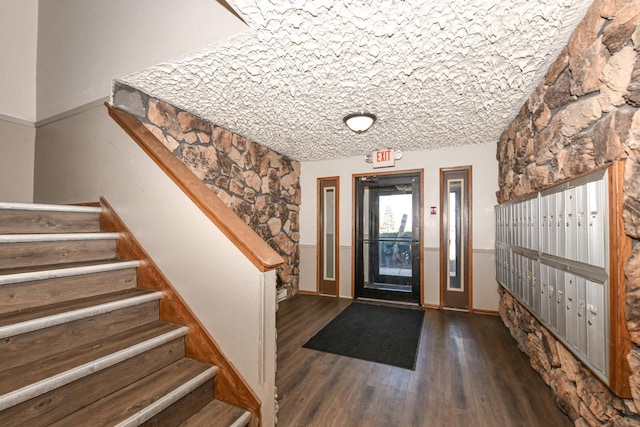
(329,236)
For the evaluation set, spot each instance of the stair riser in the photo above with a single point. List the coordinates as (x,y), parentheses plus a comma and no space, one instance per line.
(31,254)
(25,348)
(14,221)
(52,406)
(50,291)
(184,408)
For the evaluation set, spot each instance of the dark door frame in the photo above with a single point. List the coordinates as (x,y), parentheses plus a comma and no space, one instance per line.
(354,179)
(467,227)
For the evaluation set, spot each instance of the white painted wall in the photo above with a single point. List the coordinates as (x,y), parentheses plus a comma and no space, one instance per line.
(84,44)
(17,145)
(485,178)
(19,35)
(87,155)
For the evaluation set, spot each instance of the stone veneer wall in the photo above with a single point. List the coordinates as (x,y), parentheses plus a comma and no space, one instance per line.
(259,184)
(582,115)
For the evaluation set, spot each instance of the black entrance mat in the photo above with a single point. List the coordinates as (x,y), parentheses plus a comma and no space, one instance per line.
(372,332)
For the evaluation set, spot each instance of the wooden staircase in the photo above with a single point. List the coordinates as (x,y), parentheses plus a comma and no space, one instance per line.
(80,343)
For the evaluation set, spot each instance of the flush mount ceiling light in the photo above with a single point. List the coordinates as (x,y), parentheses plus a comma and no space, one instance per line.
(359,122)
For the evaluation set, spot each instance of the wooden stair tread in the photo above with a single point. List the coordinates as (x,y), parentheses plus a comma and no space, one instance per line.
(216,413)
(71,359)
(148,394)
(20,218)
(58,266)
(23,250)
(87,304)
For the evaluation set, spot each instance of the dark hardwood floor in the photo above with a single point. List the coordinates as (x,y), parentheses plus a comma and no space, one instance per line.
(469,373)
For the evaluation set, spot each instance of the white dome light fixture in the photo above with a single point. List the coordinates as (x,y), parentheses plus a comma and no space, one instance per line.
(359,122)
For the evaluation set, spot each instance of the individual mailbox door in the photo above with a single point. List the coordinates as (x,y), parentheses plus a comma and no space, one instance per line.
(596,205)
(522,212)
(544,225)
(553,306)
(505,267)
(535,286)
(582,314)
(551,209)
(512,273)
(521,279)
(582,229)
(501,211)
(529,291)
(510,225)
(560,307)
(524,294)
(596,336)
(526,224)
(571,304)
(501,266)
(560,225)
(500,223)
(496,221)
(534,224)
(516,224)
(571,238)
(498,265)
(544,292)
(508,228)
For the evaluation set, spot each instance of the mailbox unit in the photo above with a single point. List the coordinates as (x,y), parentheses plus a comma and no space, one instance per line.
(560,252)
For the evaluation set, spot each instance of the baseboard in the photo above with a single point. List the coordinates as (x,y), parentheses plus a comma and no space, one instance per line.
(431,306)
(307,292)
(91,204)
(485,312)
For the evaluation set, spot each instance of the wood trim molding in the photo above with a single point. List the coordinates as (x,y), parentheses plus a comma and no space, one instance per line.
(320,229)
(263,256)
(353,236)
(620,340)
(470,234)
(485,312)
(200,345)
(468,250)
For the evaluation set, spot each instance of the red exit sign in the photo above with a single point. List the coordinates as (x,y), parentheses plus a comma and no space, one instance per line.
(383,158)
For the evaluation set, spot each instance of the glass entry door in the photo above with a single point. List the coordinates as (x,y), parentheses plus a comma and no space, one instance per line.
(387,223)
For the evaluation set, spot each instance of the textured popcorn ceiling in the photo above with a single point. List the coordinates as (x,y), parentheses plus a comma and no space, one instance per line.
(436,73)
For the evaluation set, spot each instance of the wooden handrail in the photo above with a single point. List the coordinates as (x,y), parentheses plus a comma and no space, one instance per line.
(263,256)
